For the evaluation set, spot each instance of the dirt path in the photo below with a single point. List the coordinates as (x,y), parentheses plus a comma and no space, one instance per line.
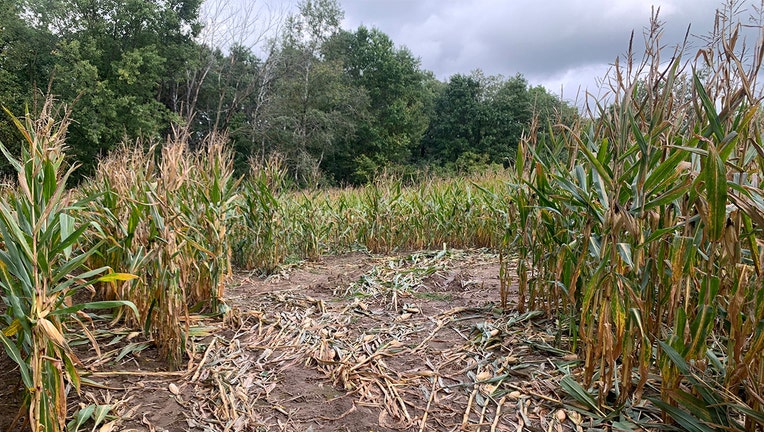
(355,343)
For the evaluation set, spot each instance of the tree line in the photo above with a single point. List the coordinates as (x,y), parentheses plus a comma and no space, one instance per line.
(338,105)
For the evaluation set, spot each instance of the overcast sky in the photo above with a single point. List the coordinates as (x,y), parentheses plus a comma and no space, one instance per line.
(555,43)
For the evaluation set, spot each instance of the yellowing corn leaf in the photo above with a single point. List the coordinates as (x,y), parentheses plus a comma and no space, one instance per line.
(113,277)
(13,328)
(52,333)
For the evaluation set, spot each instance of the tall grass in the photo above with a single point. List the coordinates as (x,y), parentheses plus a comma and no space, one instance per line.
(645,230)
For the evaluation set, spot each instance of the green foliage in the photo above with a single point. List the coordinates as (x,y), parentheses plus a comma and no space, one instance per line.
(118,64)
(25,64)
(396,119)
(488,116)
(340,106)
(457,120)
(315,105)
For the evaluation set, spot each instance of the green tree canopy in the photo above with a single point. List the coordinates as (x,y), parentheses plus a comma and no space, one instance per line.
(484,117)
(397,93)
(117,63)
(335,103)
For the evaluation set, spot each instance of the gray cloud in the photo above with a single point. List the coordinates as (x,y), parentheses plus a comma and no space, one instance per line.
(553,43)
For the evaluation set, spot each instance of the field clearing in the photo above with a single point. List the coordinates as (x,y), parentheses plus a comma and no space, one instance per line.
(353,342)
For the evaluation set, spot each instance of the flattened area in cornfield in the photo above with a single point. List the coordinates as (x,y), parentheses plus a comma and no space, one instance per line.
(412,342)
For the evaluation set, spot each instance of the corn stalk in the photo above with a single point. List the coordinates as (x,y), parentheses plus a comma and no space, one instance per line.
(167,219)
(42,267)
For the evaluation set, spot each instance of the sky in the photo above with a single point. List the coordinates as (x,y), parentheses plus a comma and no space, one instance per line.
(565,45)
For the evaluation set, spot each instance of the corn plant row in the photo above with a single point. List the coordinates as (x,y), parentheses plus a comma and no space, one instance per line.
(276,224)
(645,228)
(165,217)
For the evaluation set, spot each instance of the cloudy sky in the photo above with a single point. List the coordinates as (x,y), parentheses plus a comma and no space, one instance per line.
(560,44)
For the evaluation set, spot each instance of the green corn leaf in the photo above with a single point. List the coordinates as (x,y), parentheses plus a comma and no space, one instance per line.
(106,304)
(100,414)
(701,328)
(638,136)
(15,355)
(66,226)
(758,416)
(697,407)
(71,372)
(701,387)
(708,107)
(13,233)
(624,250)
(582,179)
(683,418)
(665,172)
(603,156)
(76,263)
(132,348)
(714,174)
(599,187)
(80,417)
(20,127)
(636,315)
(17,268)
(520,160)
(68,236)
(668,197)
(598,166)
(625,425)
(50,182)
(578,393)
(714,360)
(727,145)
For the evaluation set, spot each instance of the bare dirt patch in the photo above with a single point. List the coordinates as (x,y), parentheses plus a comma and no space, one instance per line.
(352,343)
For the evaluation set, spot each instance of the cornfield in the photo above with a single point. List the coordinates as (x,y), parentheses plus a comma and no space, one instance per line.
(640,229)
(277,224)
(172,222)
